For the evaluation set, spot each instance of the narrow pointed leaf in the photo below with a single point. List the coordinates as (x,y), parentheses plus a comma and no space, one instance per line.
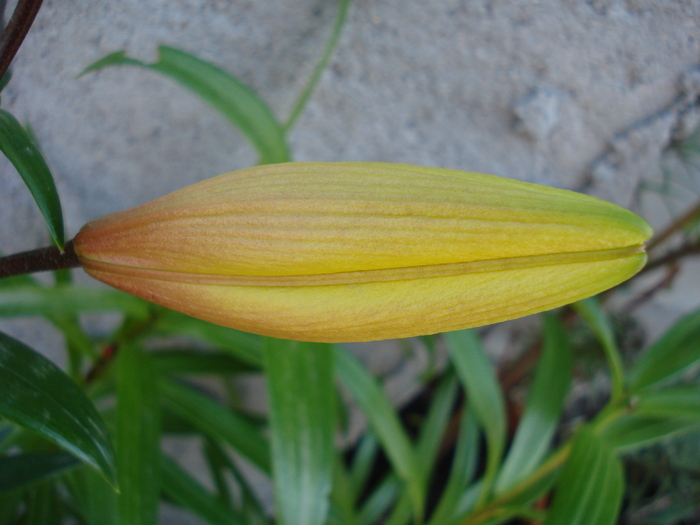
(244,346)
(300,385)
(22,469)
(93,497)
(675,351)
(633,431)
(590,310)
(36,394)
(138,438)
(544,406)
(237,102)
(484,395)
(187,492)
(218,422)
(384,422)
(23,300)
(198,362)
(23,152)
(676,402)
(590,488)
(462,470)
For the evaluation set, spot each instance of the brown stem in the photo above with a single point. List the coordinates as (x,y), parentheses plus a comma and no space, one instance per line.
(672,257)
(40,260)
(674,227)
(18,27)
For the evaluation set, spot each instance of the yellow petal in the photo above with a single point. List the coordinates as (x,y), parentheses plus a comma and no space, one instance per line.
(363,251)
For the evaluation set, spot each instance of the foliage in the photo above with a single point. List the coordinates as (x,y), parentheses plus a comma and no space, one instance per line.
(86,444)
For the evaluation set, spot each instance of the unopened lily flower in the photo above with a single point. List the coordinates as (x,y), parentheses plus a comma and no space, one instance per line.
(341,252)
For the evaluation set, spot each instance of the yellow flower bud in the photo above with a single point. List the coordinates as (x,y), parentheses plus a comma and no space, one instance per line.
(341,252)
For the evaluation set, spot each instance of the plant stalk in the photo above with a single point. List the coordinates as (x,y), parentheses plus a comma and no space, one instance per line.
(18,27)
(39,260)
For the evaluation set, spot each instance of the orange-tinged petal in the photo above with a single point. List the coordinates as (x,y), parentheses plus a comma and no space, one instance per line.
(363,251)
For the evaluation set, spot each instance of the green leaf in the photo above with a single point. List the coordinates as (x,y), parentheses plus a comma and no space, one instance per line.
(220,463)
(429,439)
(244,346)
(675,402)
(342,511)
(58,301)
(320,67)
(385,424)
(363,462)
(22,469)
(380,500)
(5,79)
(138,438)
(198,362)
(34,393)
(484,395)
(633,431)
(301,392)
(590,488)
(591,312)
(544,406)
(237,102)
(218,422)
(19,147)
(184,490)
(462,470)
(675,351)
(94,498)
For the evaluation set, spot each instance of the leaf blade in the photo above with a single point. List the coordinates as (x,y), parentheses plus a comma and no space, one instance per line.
(138,438)
(24,154)
(302,421)
(20,470)
(544,406)
(36,394)
(239,104)
(485,397)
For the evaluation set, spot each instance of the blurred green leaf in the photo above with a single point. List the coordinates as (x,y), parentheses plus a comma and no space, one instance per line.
(187,492)
(675,351)
(94,498)
(545,403)
(251,509)
(320,67)
(385,423)
(42,506)
(300,385)
(363,461)
(379,501)
(462,470)
(591,486)
(10,505)
(19,470)
(218,422)
(632,431)
(680,401)
(429,439)
(138,438)
(34,393)
(5,79)
(238,103)
(244,346)
(198,362)
(18,301)
(591,312)
(19,147)
(342,511)
(484,395)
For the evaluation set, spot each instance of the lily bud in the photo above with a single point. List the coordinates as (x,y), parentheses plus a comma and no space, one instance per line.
(340,252)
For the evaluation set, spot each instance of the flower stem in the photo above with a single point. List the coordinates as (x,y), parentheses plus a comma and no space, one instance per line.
(16,30)
(39,260)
